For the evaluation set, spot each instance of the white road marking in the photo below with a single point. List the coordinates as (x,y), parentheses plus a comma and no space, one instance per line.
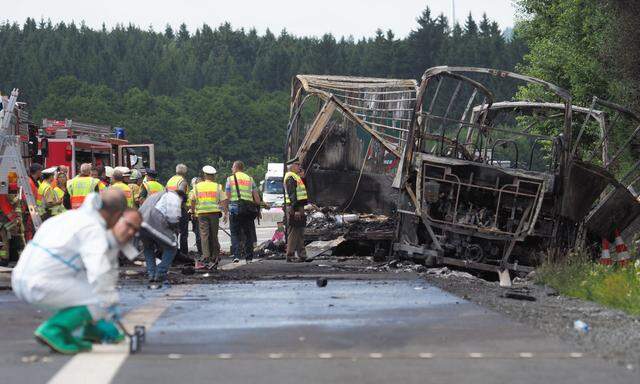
(325,355)
(425,355)
(526,355)
(375,355)
(576,354)
(224,356)
(476,355)
(103,362)
(275,355)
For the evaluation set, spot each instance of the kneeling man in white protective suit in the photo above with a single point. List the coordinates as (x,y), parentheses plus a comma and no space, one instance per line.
(71,266)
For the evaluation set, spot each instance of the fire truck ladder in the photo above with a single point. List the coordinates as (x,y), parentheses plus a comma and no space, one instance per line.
(11,160)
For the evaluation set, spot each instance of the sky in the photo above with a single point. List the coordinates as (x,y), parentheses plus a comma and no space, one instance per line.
(356,18)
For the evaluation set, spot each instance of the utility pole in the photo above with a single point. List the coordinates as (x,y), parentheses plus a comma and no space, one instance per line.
(453,13)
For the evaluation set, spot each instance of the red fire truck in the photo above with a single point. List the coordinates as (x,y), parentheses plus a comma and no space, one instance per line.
(56,143)
(71,143)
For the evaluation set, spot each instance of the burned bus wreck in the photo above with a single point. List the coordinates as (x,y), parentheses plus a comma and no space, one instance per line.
(469,181)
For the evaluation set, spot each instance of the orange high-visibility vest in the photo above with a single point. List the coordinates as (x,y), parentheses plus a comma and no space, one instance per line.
(128,194)
(174,182)
(79,187)
(207,197)
(153,187)
(245,184)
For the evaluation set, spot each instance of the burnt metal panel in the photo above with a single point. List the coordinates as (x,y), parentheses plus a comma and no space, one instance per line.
(584,185)
(617,211)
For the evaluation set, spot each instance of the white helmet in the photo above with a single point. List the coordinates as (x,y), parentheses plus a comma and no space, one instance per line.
(124,170)
(208,170)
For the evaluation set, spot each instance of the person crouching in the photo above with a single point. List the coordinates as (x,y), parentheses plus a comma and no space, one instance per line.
(70,266)
(161,213)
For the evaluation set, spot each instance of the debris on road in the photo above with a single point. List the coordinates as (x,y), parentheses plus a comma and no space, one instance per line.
(320,247)
(329,223)
(519,294)
(445,272)
(581,326)
(321,282)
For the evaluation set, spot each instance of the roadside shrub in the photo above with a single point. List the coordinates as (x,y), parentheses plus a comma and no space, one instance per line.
(612,286)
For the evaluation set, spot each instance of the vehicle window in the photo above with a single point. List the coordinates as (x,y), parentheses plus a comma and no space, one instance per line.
(136,157)
(273,186)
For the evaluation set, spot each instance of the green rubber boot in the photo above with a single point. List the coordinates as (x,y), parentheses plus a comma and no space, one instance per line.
(56,331)
(102,332)
(83,345)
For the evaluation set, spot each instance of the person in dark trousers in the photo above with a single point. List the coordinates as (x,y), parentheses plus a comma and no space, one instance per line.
(206,206)
(179,182)
(295,199)
(242,206)
(194,219)
(161,211)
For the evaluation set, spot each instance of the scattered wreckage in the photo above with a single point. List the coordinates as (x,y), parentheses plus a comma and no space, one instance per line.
(468,180)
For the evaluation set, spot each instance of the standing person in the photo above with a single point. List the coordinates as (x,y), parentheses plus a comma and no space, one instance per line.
(67,268)
(61,169)
(135,182)
(35,173)
(194,219)
(175,183)
(295,198)
(242,206)
(150,186)
(161,211)
(207,195)
(60,191)
(118,182)
(99,173)
(81,186)
(48,200)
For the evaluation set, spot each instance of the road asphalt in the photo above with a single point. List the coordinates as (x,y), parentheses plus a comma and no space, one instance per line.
(279,327)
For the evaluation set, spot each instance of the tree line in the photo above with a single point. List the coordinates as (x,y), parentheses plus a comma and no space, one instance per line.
(589,47)
(218,92)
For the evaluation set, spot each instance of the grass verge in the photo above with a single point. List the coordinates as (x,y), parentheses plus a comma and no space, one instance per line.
(612,286)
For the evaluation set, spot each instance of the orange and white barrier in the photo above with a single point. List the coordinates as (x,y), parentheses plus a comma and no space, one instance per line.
(621,250)
(605,258)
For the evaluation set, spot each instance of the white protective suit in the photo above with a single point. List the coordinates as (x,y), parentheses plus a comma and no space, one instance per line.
(71,261)
(162,212)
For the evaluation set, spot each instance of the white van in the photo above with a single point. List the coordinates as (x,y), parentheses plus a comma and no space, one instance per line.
(272,188)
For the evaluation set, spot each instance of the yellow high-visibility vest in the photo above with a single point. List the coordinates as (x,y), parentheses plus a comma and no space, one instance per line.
(207,197)
(190,198)
(43,189)
(135,191)
(301,189)
(128,194)
(58,209)
(79,187)
(174,182)
(245,184)
(153,187)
